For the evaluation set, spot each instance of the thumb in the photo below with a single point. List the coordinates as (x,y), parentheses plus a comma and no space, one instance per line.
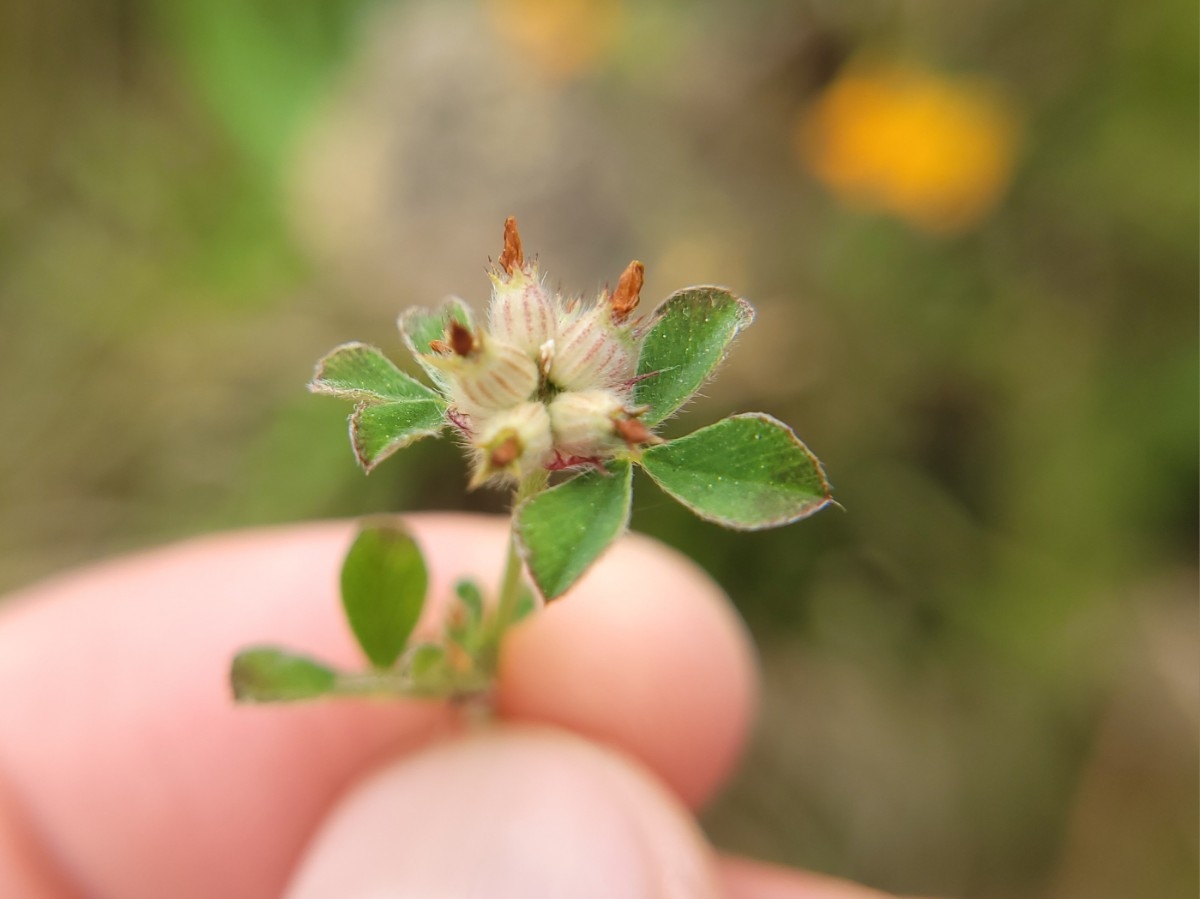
(515,812)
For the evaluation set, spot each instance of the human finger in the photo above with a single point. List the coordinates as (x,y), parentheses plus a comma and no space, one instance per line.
(520,812)
(133,769)
(744,878)
(514,812)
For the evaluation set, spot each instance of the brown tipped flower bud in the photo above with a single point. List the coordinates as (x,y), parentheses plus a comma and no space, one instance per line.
(549,381)
(512,443)
(591,353)
(511,256)
(492,377)
(634,432)
(504,453)
(629,290)
(591,423)
(522,311)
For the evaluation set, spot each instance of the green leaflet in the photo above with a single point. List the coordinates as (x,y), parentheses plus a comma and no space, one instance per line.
(361,372)
(379,429)
(269,674)
(393,409)
(746,472)
(383,589)
(688,338)
(565,529)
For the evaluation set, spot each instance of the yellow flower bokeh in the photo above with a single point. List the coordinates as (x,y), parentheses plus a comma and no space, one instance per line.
(935,151)
(559,38)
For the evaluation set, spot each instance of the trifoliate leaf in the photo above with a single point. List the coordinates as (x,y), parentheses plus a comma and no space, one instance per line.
(419,327)
(564,530)
(379,429)
(393,410)
(746,472)
(269,674)
(688,338)
(383,590)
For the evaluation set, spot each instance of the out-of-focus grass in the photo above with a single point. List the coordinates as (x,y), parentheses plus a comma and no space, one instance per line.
(980,678)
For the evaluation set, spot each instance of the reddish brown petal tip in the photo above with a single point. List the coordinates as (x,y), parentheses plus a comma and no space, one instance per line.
(629,289)
(461,340)
(511,255)
(505,453)
(634,433)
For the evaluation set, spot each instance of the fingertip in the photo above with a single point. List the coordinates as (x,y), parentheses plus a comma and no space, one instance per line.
(645,654)
(513,812)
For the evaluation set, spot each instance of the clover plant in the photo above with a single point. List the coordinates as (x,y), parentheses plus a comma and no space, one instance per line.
(547,388)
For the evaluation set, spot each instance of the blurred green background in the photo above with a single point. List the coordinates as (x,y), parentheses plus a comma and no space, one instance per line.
(970,229)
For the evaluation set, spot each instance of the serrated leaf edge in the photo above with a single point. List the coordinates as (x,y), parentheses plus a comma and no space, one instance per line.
(369,464)
(317,386)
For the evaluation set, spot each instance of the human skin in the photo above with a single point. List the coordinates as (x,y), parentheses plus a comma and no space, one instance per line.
(126,770)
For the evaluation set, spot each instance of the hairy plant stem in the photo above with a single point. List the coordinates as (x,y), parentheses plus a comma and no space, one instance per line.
(510,585)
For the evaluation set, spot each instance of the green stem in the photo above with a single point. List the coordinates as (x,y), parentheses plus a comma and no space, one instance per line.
(389,683)
(510,585)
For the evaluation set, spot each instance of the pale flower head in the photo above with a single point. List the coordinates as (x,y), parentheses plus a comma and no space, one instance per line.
(550,383)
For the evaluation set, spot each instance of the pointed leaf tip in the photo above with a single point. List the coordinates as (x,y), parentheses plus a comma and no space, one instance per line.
(359,371)
(746,472)
(562,531)
(383,590)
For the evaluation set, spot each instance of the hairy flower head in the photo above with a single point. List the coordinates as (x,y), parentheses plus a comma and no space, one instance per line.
(549,383)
